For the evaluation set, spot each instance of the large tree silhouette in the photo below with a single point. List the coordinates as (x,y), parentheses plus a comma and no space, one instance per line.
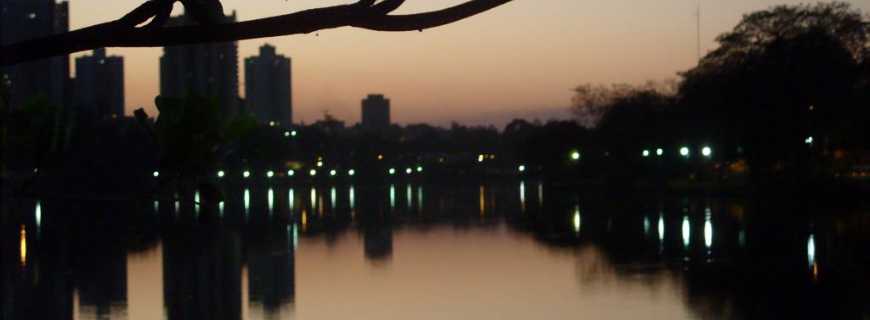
(128,31)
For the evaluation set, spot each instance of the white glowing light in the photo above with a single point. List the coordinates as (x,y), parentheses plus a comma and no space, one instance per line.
(392,171)
(270,174)
(221,174)
(291,173)
(684,151)
(661,228)
(708,233)
(521,168)
(246,174)
(156,174)
(312,172)
(575,155)
(646,153)
(707,151)
(333,172)
(687,232)
(351,172)
(577,220)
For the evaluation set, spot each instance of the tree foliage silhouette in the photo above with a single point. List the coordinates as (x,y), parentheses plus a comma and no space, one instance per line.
(129,32)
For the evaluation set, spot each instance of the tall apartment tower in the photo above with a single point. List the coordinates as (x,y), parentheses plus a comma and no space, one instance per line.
(208,70)
(99,85)
(268,86)
(22,20)
(376,112)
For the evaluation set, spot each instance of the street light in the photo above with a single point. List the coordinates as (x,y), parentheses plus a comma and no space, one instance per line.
(660,152)
(684,151)
(480,158)
(419,168)
(409,171)
(646,153)
(522,168)
(270,174)
(392,171)
(156,174)
(351,172)
(707,152)
(246,174)
(291,173)
(809,140)
(575,155)
(221,174)
(312,172)
(293,133)
(333,172)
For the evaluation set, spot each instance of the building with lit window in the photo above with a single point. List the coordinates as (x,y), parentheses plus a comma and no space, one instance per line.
(268,86)
(99,85)
(22,20)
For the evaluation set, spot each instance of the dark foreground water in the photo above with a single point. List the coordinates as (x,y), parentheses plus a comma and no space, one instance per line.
(517,251)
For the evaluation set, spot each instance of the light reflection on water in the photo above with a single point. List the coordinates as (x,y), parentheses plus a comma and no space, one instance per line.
(478,258)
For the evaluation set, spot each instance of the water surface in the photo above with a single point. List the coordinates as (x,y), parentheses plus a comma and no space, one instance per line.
(517,251)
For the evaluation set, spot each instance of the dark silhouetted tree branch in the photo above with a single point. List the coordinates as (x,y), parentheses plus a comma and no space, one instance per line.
(127,31)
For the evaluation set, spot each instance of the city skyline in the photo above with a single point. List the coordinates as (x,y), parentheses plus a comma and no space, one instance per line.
(584,43)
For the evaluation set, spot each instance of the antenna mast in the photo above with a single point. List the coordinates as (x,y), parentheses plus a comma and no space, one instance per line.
(699,31)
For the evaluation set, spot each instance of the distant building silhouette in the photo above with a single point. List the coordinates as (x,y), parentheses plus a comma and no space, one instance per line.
(209,69)
(22,20)
(376,112)
(268,86)
(99,85)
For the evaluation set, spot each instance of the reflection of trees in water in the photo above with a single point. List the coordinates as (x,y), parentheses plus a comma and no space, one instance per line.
(733,259)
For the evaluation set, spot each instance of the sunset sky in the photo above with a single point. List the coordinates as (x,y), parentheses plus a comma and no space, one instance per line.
(519,60)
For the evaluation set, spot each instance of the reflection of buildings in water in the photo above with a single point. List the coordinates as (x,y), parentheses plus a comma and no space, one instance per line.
(102,281)
(202,274)
(271,272)
(378,242)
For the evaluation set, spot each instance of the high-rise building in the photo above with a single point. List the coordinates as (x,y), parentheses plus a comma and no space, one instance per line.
(268,86)
(22,20)
(376,112)
(99,85)
(208,70)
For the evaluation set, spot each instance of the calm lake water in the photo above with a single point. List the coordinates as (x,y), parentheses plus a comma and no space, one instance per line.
(509,251)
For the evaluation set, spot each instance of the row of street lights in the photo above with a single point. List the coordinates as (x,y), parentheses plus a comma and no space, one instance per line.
(271,174)
(575,155)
